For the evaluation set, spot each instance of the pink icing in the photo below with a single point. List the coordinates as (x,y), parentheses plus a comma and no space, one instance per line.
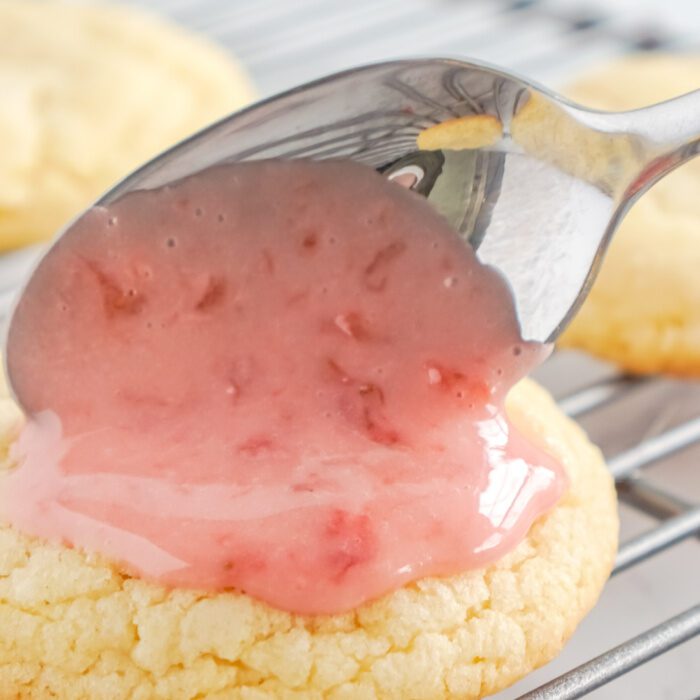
(285,378)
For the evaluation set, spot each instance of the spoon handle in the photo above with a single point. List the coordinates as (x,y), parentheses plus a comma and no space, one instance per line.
(669,133)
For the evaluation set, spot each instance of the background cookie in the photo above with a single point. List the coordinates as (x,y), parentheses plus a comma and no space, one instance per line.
(89,92)
(644,309)
(76,629)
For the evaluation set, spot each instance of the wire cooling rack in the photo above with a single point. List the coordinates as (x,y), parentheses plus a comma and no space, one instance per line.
(677,520)
(647,427)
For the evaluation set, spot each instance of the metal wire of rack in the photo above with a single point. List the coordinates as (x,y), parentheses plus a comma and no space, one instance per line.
(284,42)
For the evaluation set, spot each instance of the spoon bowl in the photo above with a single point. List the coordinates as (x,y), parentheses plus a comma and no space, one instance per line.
(534,183)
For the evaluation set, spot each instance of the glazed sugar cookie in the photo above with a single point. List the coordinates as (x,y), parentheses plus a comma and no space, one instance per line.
(89,92)
(75,628)
(644,309)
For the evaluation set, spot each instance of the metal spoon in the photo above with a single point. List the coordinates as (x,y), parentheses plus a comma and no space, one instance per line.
(536,184)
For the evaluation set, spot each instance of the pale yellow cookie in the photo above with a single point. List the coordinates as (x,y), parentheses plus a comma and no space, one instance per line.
(75,628)
(643,312)
(89,92)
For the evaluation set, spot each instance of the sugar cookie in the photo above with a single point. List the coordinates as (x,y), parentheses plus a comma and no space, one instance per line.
(75,628)
(89,92)
(643,312)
